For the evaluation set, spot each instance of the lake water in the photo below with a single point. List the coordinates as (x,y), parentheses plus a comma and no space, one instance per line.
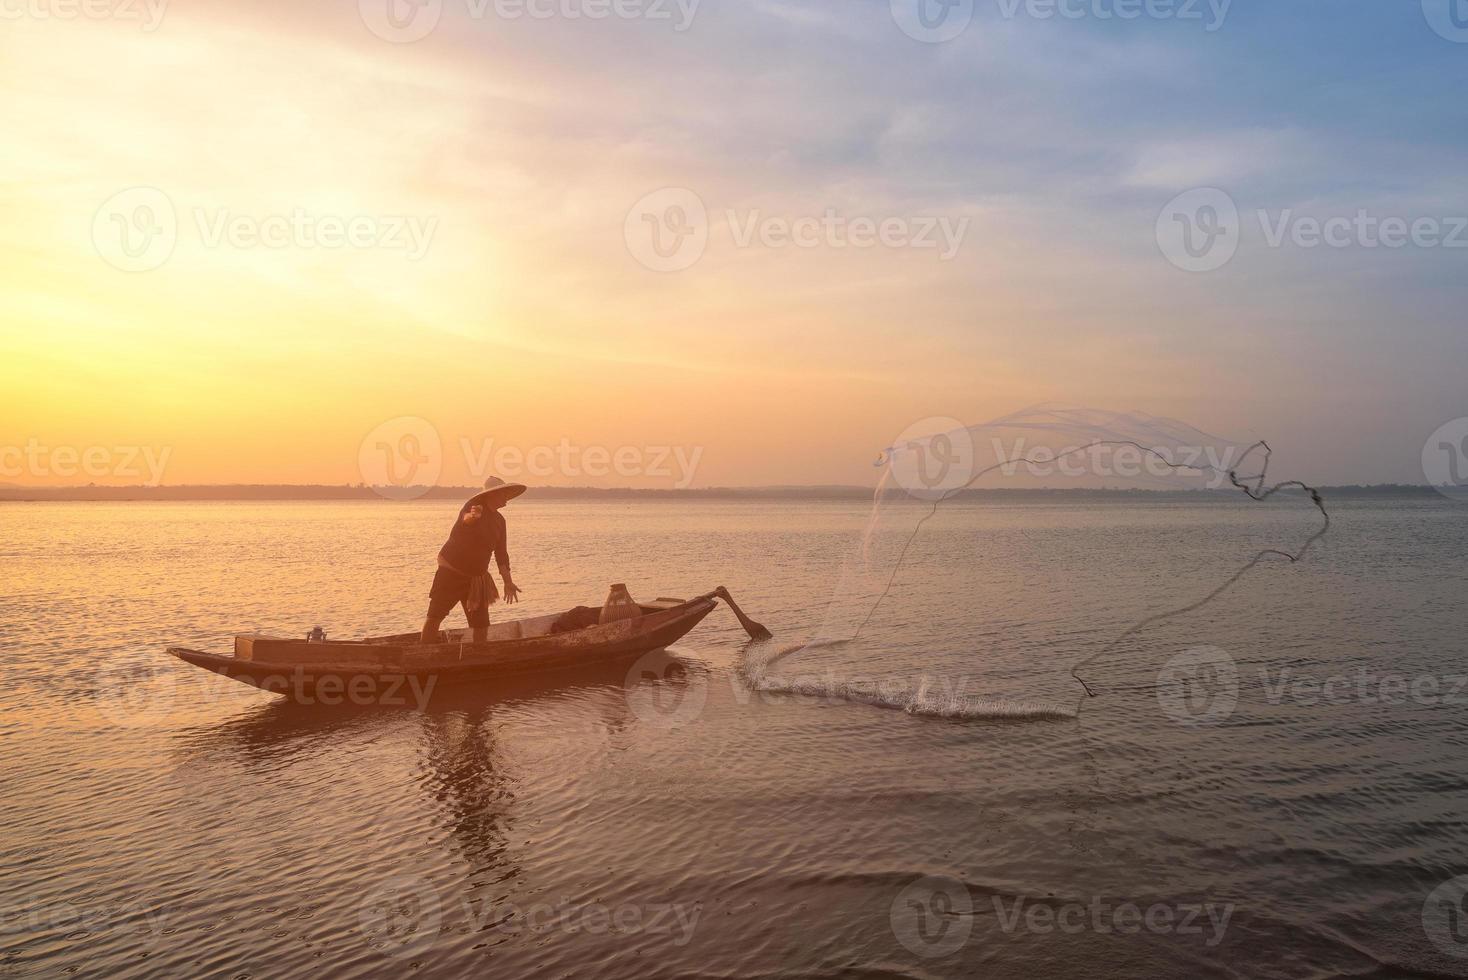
(1273,784)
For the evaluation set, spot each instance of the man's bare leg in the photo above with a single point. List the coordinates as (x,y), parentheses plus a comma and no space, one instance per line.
(481,633)
(430,631)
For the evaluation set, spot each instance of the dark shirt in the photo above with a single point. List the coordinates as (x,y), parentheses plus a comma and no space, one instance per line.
(470,546)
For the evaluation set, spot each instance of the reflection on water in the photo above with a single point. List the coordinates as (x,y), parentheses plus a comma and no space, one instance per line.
(464,782)
(663,819)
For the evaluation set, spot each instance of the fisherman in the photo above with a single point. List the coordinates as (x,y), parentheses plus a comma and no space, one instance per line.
(463,562)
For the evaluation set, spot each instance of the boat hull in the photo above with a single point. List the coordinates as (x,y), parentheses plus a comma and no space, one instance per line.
(407,674)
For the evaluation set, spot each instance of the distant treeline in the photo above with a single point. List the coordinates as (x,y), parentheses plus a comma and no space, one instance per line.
(289,492)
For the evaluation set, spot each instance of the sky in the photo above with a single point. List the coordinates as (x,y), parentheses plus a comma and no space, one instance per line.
(652,243)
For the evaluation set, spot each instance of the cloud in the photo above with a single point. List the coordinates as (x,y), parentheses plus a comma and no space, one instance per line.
(1222,159)
(530,139)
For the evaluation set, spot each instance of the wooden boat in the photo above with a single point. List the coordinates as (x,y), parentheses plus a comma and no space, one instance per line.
(399,669)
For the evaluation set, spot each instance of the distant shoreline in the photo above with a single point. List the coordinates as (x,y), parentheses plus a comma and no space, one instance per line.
(287,492)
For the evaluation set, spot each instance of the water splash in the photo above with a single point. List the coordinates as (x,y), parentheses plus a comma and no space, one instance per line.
(931,696)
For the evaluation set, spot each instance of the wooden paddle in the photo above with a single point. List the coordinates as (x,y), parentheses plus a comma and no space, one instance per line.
(755,630)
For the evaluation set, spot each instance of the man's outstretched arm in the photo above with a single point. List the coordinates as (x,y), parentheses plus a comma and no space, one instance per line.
(502,560)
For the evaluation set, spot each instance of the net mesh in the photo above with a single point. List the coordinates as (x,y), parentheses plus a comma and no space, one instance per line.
(939,460)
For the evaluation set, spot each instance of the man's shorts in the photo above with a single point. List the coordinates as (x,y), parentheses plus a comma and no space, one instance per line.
(449,590)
